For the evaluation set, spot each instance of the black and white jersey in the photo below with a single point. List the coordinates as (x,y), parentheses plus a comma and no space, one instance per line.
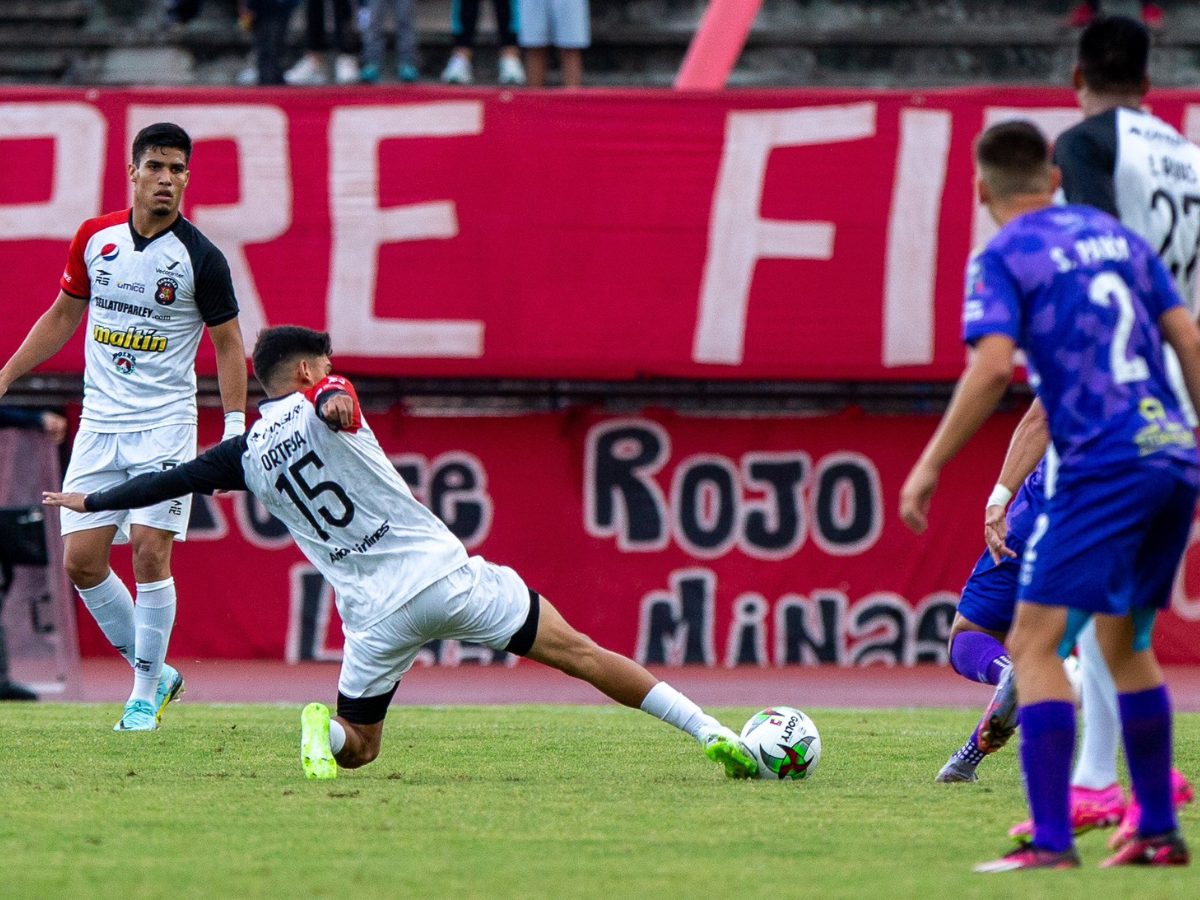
(345,505)
(149,300)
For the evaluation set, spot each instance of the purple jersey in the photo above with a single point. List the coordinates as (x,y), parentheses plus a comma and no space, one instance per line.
(1082,295)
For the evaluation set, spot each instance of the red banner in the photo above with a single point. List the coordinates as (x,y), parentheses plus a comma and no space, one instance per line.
(601,234)
(674,539)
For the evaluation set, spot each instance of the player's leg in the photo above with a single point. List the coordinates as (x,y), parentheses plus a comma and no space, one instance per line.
(1145,710)
(154,618)
(86,559)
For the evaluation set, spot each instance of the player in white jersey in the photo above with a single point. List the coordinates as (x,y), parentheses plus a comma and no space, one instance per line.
(150,284)
(401,577)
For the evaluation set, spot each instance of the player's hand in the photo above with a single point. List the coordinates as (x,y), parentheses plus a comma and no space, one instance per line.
(338,411)
(995,530)
(915,497)
(55,426)
(67,501)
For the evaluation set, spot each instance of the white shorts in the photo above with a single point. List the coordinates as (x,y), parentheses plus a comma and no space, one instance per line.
(478,602)
(560,23)
(100,461)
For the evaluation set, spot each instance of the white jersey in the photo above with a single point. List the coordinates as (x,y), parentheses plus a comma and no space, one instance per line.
(347,508)
(148,303)
(1139,169)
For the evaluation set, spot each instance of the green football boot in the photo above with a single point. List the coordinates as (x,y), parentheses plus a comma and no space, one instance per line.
(315,754)
(723,746)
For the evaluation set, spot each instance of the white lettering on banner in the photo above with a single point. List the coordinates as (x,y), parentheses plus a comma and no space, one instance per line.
(310,610)
(454,487)
(912,242)
(675,627)
(263,210)
(763,504)
(1052,120)
(361,226)
(737,235)
(79,133)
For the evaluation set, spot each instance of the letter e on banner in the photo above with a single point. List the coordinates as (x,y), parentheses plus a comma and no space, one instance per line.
(738,236)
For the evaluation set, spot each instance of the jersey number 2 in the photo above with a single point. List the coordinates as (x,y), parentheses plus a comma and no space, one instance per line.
(314,491)
(1105,288)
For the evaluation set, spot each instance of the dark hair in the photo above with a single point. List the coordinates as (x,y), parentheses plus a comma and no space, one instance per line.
(1013,158)
(161,136)
(1113,53)
(284,344)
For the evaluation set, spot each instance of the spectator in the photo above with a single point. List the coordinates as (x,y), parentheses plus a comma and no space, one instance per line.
(55,427)
(180,12)
(311,68)
(564,24)
(373,21)
(1083,14)
(270,21)
(464,17)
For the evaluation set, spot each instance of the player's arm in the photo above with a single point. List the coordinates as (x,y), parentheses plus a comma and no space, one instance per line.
(47,336)
(1026,449)
(336,403)
(218,469)
(231,374)
(1181,332)
(975,397)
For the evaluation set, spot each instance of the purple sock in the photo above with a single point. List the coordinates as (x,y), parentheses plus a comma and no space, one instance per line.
(1047,745)
(978,657)
(1146,725)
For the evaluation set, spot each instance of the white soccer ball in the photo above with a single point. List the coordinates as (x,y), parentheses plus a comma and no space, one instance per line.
(785,743)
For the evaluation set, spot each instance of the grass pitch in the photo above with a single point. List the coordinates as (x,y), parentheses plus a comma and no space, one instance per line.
(500,802)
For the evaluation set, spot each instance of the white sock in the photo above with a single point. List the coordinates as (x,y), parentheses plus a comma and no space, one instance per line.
(337,736)
(153,617)
(666,703)
(1096,767)
(111,606)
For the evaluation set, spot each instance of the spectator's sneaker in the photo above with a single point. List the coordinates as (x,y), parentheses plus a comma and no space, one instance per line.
(1000,718)
(138,716)
(957,771)
(511,70)
(1080,17)
(315,755)
(1089,809)
(1181,795)
(458,70)
(10,690)
(307,71)
(345,69)
(1165,850)
(1152,15)
(723,746)
(1030,857)
(408,73)
(170,687)
(369,74)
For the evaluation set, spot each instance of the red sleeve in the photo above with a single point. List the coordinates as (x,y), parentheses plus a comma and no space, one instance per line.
(75,279)
(335,384)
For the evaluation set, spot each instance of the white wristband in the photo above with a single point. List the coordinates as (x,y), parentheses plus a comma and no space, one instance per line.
(235,424)
(1000,496)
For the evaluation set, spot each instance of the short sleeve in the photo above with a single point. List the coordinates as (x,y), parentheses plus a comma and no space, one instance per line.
(330,386)
(1087,156)
(75,280)
(992,304)
(214,289)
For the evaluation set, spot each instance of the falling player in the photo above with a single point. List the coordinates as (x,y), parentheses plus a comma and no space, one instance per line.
(1086,299)
(401,578)
(150,283)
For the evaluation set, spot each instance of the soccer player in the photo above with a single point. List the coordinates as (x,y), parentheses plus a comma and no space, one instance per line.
(1090,303)
(401,578)
(1139,169)
(150,283)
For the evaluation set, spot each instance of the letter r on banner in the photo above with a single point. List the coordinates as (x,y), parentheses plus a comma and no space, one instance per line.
(738,236)
(78,131)
(360,227)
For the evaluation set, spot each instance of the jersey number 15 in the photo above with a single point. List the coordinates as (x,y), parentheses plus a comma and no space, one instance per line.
(313,492)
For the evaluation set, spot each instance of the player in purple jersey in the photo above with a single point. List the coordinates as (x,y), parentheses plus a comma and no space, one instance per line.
(1090,303)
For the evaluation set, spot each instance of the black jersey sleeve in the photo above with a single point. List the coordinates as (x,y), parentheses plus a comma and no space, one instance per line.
(218,469)
(15,417)
(214,285)
(1087,156)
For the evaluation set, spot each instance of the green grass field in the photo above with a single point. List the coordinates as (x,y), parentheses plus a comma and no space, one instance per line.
(498,802)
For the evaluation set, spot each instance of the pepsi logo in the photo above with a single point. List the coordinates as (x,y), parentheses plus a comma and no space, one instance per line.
(110,251)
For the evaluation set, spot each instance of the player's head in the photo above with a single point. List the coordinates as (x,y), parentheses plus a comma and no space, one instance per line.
(1013,159)
(159,168)
(1113,55)
(288,357)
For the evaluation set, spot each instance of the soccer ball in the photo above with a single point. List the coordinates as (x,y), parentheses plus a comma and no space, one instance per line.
(785,743)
